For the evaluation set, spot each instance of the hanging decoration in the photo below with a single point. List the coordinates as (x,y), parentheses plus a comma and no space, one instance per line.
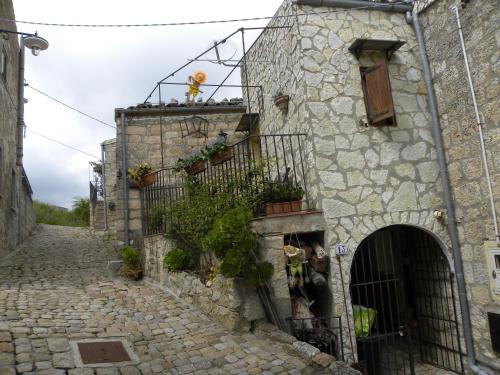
(194,82)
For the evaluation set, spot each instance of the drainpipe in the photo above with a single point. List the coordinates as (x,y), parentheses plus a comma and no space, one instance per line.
(103,169)
(479,126)
(362,4)
(124,178)
(443,170)
(20,104)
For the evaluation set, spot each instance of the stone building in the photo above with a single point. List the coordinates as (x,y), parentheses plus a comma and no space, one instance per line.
(396,186)
(378,183)
(185,129)
(17,217)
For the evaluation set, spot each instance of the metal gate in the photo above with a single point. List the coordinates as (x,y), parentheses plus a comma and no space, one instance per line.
(435,307)
(403,303)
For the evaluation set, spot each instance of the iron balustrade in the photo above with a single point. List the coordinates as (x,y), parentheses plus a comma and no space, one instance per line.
(322,333)
(252,164)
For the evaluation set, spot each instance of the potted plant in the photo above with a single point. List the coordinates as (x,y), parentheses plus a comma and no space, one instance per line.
(141,176)
(96,167)
(194,164)
(132,263)
(281,101)
(218,153)
(282,197)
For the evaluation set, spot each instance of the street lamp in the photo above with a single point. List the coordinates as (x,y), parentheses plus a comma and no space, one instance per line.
(36,44)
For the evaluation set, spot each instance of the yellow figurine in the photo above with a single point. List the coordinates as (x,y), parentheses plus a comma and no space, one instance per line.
(198,78)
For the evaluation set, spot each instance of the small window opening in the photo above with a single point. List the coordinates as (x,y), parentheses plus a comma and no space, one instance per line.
(3,64)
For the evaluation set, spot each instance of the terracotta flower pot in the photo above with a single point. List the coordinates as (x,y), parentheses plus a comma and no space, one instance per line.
(282,102)
(147,180)
(222,156)
(134,274)
(282,207)
(197,167)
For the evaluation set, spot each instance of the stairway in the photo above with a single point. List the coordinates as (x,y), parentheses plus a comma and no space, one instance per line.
(98,218)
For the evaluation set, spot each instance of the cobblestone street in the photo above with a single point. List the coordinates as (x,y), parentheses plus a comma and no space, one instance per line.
(56,289)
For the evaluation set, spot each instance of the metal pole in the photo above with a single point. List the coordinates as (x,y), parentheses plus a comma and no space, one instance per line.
(20,104)
(124,178)
(479,126)
(443,170)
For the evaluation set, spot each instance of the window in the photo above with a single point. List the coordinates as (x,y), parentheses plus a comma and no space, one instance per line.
(3,64)
(378,96)
(495,261)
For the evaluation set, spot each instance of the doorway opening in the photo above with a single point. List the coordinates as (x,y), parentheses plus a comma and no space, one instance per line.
(404,304)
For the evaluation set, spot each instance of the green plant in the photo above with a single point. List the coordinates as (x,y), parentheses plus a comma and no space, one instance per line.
(177,260)
(211,150)
(182,164)
(131,258)
(156,218)
(136,174)
(285,191)
(233,242)
(96,167)
(79,216)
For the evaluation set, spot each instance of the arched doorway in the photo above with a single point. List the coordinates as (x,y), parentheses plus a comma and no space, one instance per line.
(404,305)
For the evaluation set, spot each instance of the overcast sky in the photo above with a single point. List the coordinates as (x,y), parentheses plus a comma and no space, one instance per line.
(99,69)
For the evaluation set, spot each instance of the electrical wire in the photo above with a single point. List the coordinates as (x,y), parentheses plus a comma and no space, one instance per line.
(63,144)
(188,23)
(70,107)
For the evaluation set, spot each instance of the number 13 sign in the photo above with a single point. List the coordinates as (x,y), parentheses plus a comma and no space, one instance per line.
(341,249)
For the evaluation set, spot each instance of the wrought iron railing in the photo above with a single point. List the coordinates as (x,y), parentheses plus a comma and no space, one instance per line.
(267,164)
(322,333)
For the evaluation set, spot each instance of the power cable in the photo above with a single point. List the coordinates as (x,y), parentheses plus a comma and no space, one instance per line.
(63,144)
(70,107)
(188,23)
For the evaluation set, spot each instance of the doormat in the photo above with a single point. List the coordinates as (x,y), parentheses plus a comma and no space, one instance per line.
(103,353)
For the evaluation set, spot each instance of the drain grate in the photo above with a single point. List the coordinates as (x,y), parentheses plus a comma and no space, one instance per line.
(102,352)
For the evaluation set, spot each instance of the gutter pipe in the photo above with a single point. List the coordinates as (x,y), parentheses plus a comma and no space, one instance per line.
(20,104)
(452,228)
(354,4)
(124,178)
(479,126)
(104,188)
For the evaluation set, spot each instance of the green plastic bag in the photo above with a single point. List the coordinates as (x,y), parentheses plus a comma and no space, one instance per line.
(364,319)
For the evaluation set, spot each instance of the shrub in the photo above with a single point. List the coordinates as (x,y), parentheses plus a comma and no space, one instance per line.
(235,244)
(156,218)
(177,260)
(131,258)
(79,216)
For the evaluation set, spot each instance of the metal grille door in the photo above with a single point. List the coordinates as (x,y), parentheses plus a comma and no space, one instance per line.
(404,304)
(435,306)
(377,293)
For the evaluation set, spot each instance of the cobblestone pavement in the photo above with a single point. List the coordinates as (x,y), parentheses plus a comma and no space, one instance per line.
(56,289)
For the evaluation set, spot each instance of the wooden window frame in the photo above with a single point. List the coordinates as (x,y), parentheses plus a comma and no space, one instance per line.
(380,95)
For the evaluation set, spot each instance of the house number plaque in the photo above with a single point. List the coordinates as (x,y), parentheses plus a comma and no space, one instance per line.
(341,249)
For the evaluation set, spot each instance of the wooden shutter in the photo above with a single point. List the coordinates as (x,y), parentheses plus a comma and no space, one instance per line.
(378,95)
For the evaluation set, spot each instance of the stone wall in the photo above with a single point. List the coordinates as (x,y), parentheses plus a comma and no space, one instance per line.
(480,20)
(16,212)
(362,178)
(143,145)
(232,302)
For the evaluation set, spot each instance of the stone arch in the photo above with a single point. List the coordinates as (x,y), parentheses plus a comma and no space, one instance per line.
(403,273)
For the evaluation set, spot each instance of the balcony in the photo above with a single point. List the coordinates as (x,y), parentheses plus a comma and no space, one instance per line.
(271,166)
